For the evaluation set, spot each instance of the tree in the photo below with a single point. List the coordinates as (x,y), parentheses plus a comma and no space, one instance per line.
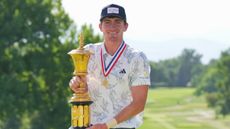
(190,64)
(32,70)
(157,75)
(35,37)
(207,81)
(89,34)
(215,83)
(224,84)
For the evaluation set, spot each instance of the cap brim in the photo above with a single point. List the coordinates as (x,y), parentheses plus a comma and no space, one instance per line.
(112,16)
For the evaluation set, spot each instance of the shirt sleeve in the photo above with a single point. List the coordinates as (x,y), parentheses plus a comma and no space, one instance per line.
(140,70)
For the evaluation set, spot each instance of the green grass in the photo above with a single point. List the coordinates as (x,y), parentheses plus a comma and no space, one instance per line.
(178,108)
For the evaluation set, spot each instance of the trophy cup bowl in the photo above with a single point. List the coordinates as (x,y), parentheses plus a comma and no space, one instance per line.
(80,111)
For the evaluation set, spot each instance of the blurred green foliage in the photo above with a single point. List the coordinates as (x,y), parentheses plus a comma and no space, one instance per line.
(178,71)
(35,37)
(215,83)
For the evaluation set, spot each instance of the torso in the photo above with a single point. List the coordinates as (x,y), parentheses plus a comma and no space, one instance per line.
(109,99)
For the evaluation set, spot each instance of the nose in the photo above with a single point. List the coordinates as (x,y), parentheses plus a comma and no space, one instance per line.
(112,26)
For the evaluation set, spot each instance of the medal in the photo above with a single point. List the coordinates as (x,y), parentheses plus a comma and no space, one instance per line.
(107,69)
(105,83)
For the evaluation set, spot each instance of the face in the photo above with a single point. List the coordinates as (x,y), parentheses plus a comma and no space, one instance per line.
(113,29)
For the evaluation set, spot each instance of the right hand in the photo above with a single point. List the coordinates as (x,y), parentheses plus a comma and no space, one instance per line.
(78,84)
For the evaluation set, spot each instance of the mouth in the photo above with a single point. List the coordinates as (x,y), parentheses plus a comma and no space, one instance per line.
(113,33)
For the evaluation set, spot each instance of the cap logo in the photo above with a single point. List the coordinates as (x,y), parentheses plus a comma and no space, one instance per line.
(113,10)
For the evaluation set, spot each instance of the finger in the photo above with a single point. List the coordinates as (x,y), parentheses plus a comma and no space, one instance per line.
(82,79)
(80,90)
(76,80)
(75,90)
(73,84)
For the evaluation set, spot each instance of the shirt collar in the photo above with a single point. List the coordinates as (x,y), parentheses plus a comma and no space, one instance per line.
(104,51)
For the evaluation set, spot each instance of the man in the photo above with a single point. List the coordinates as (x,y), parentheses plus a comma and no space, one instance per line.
(118,76)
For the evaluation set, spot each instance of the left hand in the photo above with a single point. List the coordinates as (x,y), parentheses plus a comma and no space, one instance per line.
(98,126)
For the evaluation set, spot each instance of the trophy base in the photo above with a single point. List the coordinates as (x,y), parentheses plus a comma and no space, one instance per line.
(82,103)
(78,127)
(80,98)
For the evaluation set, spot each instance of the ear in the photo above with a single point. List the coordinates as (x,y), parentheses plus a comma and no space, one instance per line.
(126,27)
(100,26)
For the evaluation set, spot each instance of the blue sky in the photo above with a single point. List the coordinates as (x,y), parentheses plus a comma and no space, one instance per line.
(163,28)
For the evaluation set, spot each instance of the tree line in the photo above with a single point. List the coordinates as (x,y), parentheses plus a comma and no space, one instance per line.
(35,69)
(178,71)
(187,70)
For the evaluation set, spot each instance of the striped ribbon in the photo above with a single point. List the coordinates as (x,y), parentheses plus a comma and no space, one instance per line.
(107,69)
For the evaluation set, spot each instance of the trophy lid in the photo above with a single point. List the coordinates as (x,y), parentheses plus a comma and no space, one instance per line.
(80,49)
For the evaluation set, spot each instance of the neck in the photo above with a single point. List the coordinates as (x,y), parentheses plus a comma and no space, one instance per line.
(111,47)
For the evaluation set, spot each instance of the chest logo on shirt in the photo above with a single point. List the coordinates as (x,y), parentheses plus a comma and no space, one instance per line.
(122,71)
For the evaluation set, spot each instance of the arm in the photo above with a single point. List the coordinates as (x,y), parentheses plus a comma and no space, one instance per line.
(139,94)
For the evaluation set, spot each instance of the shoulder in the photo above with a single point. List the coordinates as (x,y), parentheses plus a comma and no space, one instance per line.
(134,54)
(93,47)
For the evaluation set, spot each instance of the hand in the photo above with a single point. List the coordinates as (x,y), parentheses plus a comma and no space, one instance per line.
(98,126)
(78,84)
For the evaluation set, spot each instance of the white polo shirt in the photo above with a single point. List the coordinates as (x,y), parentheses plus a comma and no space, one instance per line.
(131,69)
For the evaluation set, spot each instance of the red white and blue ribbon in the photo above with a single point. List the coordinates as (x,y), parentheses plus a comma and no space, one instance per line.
(107,69)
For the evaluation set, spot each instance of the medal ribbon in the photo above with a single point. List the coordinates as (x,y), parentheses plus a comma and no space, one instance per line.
(108,69)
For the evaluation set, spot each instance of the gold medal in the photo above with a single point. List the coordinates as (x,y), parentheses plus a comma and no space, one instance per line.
(105,83)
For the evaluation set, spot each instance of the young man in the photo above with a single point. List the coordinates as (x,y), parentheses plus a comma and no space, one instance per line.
(118,76)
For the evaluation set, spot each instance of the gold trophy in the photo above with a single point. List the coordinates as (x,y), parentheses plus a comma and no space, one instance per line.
(80,112)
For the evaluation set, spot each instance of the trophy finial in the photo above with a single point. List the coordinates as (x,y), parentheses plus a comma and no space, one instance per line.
(81,41)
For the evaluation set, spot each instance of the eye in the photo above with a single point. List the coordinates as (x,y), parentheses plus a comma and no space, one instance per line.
(106,21)
(118,21)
